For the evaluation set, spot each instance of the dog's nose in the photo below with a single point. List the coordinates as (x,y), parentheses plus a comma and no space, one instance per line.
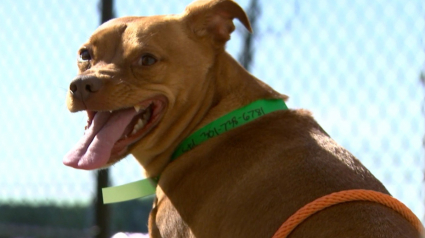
(82,86)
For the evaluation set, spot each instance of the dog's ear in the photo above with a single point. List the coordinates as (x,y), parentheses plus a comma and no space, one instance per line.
(215,18)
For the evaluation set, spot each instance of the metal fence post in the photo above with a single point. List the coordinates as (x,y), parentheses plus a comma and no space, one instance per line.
(247,54)
(102,212)
(422,79)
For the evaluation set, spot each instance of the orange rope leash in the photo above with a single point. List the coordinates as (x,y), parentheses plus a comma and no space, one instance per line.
(346,196)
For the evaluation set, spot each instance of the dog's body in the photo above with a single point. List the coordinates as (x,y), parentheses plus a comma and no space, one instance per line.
(243,183)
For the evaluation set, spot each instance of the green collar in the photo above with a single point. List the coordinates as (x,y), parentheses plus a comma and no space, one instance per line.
(236,118)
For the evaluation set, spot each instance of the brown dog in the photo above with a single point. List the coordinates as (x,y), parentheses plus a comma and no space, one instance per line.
(147,83)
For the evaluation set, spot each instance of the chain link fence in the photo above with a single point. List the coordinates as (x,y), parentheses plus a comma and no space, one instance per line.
(355,64)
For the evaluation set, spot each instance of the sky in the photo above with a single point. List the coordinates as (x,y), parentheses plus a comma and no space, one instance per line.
(354,64)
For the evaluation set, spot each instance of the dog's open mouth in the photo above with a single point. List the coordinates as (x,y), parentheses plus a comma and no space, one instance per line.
(109,134)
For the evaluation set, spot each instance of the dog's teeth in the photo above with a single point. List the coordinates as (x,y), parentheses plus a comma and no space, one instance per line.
(138,126)
(137,108)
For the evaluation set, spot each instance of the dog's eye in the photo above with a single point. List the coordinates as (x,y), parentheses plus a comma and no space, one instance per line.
(85,55)
(147,60)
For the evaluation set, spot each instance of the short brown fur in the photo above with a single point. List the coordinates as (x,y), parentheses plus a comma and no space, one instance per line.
(243,183)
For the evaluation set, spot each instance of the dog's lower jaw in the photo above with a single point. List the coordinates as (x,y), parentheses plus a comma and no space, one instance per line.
(109,135)
(155,150)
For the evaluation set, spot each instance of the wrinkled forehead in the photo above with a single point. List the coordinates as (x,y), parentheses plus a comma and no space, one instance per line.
(133,27)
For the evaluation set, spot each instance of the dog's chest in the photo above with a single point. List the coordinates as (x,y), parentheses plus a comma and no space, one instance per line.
(166,221)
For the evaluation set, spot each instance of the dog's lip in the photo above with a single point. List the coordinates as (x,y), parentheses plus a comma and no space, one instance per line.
(158,104)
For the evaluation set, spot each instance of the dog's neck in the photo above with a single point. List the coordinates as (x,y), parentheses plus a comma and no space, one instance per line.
(230,87)
(234,87)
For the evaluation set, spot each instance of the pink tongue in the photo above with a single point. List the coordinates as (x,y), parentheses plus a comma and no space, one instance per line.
(94,149)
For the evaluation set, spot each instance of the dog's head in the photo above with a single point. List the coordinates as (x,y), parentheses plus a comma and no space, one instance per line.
(141,79)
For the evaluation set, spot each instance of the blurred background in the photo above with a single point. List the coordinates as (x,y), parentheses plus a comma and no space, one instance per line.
(357,65)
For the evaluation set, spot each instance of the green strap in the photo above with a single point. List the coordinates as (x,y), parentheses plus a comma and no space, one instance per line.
(236,118)
(137,189)
(230,121)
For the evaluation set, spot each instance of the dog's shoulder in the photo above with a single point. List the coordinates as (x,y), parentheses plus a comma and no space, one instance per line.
(294,141)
